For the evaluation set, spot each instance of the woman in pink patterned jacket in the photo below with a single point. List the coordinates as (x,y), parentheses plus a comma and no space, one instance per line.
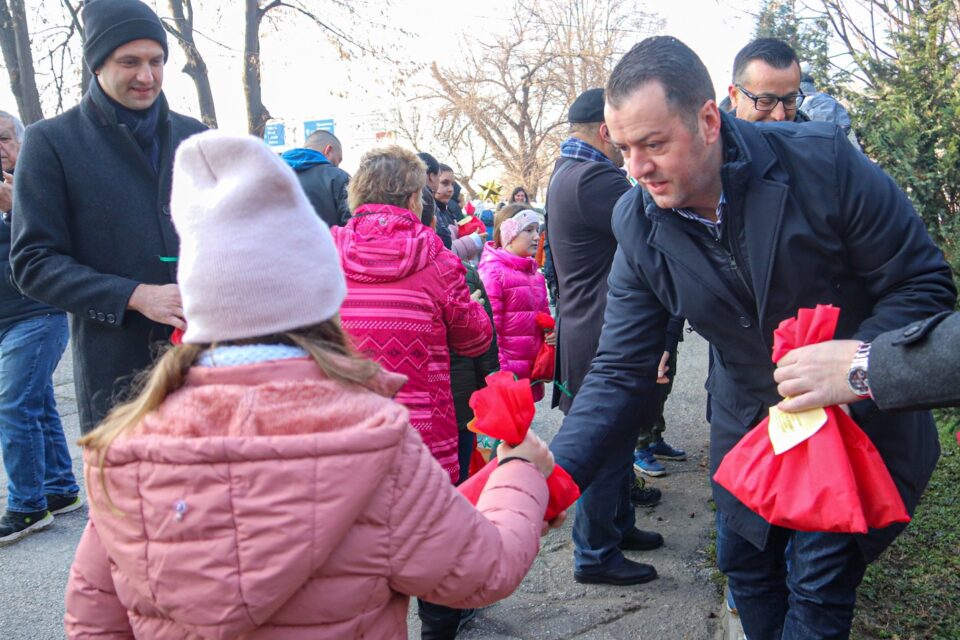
(407,300)
(517,291)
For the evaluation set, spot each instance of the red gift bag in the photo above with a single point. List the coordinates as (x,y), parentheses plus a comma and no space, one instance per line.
(834,480)
(543,366)
(470,224)
(504,410)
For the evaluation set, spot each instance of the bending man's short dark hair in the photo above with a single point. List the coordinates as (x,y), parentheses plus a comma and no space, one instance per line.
(319,139)
(664,59)
(776,53)
(432,165)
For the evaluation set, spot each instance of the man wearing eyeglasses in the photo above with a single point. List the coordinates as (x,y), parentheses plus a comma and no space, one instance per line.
(766,83)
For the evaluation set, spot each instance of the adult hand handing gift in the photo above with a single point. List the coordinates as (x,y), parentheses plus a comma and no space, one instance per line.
(813,470)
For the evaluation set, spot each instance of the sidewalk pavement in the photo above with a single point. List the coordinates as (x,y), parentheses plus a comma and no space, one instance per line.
(683,604)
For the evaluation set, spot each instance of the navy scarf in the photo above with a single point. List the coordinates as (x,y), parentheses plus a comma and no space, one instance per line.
(144,124)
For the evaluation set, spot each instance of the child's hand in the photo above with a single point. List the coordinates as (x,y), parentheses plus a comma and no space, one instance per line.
(477,296)
(533,449)
(551,338)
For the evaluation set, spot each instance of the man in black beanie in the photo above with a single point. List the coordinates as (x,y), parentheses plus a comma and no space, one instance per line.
(93,234)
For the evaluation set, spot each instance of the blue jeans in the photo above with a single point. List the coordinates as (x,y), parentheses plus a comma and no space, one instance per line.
(604,514)
(35,453)
(813,601)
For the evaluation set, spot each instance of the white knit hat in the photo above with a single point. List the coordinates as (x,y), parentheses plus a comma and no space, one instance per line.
(255,259)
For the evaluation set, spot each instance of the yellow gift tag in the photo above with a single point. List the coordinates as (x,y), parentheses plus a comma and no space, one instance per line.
(787,430)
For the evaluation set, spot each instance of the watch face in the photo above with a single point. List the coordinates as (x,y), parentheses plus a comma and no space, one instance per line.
(858,381)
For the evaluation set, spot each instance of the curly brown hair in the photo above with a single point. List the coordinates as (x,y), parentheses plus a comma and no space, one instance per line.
(389,175)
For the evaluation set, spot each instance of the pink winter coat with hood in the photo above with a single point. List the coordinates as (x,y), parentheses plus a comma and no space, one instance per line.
(407,307)
(517,292)
(267,501)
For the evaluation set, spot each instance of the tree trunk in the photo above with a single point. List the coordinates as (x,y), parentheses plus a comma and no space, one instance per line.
(15,44)
(196,68)
(257,114)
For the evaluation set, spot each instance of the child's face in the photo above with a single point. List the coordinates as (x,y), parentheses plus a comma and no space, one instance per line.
(525,243)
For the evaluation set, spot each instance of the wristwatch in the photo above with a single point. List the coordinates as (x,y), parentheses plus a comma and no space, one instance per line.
(857,376)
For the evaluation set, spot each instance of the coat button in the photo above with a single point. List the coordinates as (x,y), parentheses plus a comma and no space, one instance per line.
(911,331)
(111,318)
(166,209)
(744,322)
(101,317)
(92,314)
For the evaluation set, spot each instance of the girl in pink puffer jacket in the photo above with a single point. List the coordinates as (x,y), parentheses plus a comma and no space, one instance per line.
(263,484)
(516,289)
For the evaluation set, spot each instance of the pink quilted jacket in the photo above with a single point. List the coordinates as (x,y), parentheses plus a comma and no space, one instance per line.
(517,292)
(267,501)
(407,307)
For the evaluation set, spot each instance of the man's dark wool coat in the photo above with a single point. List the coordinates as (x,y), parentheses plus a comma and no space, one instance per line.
(93,222)
(809,220)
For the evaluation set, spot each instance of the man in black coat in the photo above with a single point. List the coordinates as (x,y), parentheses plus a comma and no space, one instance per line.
(585,185)
(93,233)
(913,367)
(317,165)
(735,226)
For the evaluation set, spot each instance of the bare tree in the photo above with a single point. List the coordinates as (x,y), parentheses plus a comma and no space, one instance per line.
(182,29)
(450,138)
(515,89)
(18,57)
(345,41)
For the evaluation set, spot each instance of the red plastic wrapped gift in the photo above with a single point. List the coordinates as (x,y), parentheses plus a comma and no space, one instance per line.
(563,490)
(470,224)
(833,480)
(543,366)
(504,410)
(177,336)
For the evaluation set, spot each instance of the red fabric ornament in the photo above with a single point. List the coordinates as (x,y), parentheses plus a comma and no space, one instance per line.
(176,338)
(504,410)
(835,480)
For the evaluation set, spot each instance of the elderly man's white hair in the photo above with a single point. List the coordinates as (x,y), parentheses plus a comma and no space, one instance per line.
(17,125)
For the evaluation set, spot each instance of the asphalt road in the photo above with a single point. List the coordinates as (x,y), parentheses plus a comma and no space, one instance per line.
(682,604)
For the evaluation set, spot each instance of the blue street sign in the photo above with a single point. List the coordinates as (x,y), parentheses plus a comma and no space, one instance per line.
(309,126)
(275,134)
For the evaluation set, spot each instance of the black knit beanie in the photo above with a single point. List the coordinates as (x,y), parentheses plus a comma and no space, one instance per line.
(108,24)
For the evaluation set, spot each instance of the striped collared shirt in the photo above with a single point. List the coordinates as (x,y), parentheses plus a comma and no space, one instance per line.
(713,227)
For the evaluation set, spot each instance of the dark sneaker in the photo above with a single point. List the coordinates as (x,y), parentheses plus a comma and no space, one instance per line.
(57,505)
(663,451)
(644,462)
(643,496)
(15,525)
(629,572)
(640,540)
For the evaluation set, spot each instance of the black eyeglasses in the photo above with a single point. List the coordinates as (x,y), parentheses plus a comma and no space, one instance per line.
(769,103)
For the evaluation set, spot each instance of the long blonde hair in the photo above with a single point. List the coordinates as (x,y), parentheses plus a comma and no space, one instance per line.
(326,343)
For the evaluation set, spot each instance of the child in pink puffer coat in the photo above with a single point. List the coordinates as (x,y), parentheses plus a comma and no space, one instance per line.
(516,289)
(263,484)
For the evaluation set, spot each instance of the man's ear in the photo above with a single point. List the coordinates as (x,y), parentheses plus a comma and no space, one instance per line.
(734,95)
(710,120)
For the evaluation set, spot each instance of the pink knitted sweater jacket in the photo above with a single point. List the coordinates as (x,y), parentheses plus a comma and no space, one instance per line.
(267,501)
(407,307)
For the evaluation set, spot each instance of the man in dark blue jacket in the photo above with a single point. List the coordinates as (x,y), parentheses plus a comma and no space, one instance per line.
(317,165)
(32,339)
(735,226)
